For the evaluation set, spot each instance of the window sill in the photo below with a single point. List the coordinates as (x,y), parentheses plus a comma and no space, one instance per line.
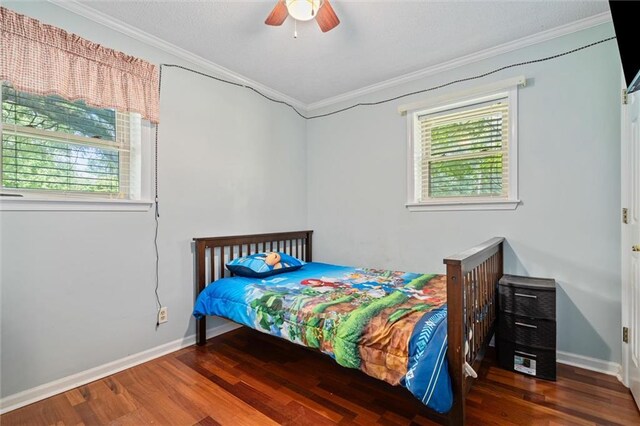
(72,204)
(463,205)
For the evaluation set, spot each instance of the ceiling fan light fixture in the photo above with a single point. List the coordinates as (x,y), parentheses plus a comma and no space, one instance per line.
(303,10)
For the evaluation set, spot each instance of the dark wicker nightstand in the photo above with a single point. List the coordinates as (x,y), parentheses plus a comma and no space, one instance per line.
(526,333)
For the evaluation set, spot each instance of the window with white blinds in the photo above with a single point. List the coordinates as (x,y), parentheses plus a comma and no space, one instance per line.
(462,154)
(56,147)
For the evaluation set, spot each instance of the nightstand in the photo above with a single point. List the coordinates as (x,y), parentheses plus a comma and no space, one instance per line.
(526,332)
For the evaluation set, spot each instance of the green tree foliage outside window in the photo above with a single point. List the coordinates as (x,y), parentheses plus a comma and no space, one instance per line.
(40,153)
(466,176)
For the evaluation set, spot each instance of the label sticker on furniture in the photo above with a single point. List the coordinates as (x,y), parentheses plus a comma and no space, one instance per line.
(524,365)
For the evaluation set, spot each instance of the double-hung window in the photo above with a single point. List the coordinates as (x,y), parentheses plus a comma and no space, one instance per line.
(463,154)
(76,121)
(58,150)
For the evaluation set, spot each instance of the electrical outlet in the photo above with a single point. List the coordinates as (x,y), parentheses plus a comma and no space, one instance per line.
(163,315)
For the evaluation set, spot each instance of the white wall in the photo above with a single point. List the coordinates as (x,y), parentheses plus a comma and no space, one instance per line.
(77,288)
(568,224)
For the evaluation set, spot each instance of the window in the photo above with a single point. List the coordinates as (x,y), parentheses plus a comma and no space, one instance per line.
(55,149)
(463,155)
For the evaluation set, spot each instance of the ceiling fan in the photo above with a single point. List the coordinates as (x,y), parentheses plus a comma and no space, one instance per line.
(304,10)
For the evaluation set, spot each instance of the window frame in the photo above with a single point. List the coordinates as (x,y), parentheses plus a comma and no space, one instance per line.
(14,199)
(450,103)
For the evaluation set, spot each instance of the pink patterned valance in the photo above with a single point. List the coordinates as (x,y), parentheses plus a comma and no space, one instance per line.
(45,60)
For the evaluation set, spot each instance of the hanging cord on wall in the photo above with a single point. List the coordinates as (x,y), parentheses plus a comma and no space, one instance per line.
(157,211)
(311,117)
(430,89)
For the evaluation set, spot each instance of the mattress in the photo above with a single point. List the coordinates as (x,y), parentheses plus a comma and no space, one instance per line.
(389,324)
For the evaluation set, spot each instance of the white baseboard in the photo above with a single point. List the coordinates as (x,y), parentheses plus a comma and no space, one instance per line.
(41,392)
(588,363)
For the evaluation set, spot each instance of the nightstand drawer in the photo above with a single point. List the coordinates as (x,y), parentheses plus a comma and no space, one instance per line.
(534,332)
(527,302)
(534,362)
(527,296)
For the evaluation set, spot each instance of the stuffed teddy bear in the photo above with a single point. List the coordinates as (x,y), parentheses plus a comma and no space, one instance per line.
(273,259)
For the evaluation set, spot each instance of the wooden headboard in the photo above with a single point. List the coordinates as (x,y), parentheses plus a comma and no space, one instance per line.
(213,253)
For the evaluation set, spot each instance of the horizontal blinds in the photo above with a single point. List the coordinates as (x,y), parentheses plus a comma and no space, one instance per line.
(464,153)
(49,144)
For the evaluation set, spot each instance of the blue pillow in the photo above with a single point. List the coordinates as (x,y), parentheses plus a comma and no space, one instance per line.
(262,265)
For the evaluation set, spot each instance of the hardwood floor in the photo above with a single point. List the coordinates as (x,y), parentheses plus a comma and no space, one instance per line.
(247,378)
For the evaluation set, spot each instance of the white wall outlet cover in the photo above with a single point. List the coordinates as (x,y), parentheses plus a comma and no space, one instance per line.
(163,315)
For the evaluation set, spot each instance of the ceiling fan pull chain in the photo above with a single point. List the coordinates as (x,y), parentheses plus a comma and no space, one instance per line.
(295,28)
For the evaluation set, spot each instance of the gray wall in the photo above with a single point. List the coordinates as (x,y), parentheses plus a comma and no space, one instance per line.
(78,287)
(568,224)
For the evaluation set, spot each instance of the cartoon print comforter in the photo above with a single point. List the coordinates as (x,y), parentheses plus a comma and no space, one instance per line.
(391,325)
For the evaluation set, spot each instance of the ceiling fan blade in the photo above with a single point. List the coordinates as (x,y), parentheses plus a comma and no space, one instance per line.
(278,14)
(327,18)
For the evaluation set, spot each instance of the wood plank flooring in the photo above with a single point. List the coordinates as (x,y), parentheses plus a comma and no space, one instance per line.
(247,378)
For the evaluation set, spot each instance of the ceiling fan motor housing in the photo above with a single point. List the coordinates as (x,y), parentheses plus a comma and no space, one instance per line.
(303,10)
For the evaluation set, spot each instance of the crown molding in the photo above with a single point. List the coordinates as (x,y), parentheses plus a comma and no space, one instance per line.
(137,34)
(536,38)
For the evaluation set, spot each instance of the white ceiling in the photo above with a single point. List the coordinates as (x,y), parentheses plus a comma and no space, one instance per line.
(375,41)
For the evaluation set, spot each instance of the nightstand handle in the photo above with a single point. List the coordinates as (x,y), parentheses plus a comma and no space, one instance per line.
(525,353)
(526,295)
(526,325)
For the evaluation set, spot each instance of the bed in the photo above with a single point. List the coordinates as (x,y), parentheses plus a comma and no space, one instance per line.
(412,329)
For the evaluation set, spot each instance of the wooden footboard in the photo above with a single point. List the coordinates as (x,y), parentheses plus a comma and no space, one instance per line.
(472,278)
(213,253)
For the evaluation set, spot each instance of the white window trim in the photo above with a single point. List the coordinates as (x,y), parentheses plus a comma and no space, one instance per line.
(508,89)
(450,205)
(42,201)
(58,204)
